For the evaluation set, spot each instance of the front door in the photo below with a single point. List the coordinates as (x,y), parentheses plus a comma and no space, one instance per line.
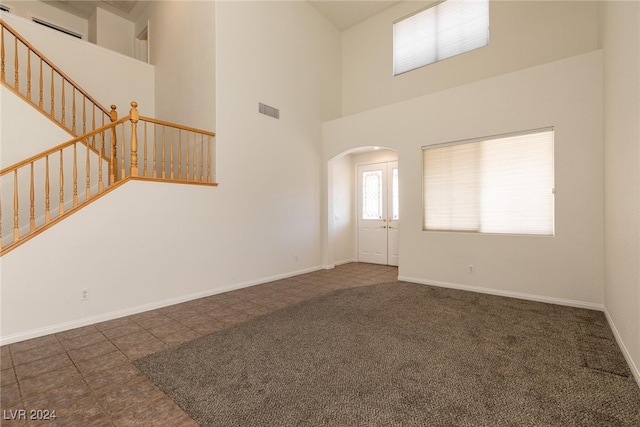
(378,218)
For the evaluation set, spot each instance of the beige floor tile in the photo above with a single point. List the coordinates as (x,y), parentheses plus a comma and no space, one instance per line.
(50,381)
(101,363)
(145,348)
(42,366)
(22,357)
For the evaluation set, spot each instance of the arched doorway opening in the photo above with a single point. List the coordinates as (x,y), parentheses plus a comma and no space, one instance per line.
(362,215)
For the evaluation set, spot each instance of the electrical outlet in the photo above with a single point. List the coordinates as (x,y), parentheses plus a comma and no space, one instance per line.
(84,294)
(472,269)
(296,258)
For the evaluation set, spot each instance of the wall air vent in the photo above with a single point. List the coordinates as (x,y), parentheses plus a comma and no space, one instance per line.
(268,110)
(57,28)
(4,8)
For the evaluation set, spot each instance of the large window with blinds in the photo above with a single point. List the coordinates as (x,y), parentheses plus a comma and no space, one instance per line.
(502,184)
(447,29)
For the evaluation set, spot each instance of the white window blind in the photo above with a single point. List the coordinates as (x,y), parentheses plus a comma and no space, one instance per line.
(497,185)
(439,32)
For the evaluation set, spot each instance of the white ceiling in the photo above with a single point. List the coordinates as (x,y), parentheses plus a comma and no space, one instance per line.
(342,13)
(346,13)
(127,9)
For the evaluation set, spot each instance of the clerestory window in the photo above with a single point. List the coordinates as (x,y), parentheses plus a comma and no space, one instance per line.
(441,31)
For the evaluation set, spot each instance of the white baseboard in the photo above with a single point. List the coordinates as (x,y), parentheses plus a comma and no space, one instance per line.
(503,293)
(65,326)
(634,368)
(337,263)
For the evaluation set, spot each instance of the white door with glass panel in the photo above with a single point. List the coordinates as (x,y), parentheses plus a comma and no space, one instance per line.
(378,218)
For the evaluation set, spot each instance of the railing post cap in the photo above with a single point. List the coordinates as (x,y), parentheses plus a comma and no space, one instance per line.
(134,111)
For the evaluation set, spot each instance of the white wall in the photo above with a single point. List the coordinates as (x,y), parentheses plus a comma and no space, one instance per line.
(19,137)
(286,55)
(113,32)
(621,21)
(566,94)
(150,244)
(110,77)
(341,203)
(523,34)
(182,39)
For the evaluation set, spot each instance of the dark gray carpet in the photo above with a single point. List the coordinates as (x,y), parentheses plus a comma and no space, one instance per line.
(402,354)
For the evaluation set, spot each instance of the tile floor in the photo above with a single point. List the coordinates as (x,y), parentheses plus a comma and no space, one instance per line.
(86,376)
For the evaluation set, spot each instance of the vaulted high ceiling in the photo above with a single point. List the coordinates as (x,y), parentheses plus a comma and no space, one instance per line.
(346,13)
(128,9)
(342,13)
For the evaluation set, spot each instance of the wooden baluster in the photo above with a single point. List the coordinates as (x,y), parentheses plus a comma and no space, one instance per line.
(16,73)
(61,179)
(28,74)
(201,157)
(53,100)
(134,139)
(144,169)
(154,173)
(2,72)
(180,154)
(113,162)
(123,171)
(16,220)
(63,105)
(171,168)
(187,156)
(87,190)
(163,151)
(47,199)
(32,202)
(100,160)
(75,174)
(208,159)
(195,158)
(93,141)
(41,88)
(84,114)
(93,125)
(73,110)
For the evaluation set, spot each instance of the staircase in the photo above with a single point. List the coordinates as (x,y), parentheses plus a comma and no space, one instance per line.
(104,151)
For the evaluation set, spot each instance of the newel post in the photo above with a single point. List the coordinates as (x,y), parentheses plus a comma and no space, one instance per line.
(134,139)
(113,170)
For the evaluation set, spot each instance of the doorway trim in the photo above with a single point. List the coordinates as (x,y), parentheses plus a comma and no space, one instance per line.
(338,225)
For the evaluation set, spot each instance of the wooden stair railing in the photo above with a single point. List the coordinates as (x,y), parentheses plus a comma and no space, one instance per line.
(42,190)
(30,75)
